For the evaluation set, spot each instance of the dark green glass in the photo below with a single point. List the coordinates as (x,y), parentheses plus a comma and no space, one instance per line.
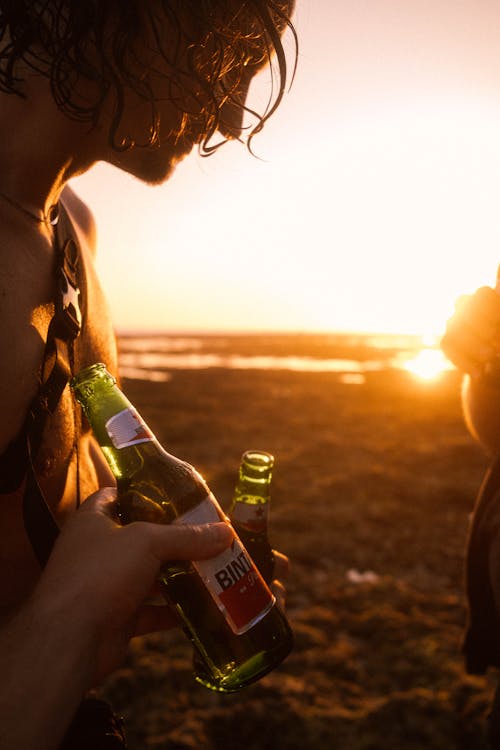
(249,515)
(224,605)
(250,507)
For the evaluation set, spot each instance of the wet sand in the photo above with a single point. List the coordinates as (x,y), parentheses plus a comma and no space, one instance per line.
(372,493)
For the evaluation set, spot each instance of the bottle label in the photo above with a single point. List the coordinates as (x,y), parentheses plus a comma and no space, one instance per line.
(127,428)
(232,578)
(252,516)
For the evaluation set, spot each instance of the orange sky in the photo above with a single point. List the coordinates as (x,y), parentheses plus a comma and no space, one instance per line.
(375,203)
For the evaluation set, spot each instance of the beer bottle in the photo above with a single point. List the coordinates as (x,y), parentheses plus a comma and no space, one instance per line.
(249,515)
(249,510)
(224,605)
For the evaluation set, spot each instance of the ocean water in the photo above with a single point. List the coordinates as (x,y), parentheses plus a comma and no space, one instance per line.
(351,357)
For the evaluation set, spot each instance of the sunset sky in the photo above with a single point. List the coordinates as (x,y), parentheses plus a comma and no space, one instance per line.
(375,203)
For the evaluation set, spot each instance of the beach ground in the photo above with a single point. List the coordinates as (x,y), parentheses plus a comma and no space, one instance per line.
(372,492)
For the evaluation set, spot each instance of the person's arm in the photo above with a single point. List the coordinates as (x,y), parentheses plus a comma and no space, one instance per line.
(89,602)
(481,408)
(472,343)
(46,654)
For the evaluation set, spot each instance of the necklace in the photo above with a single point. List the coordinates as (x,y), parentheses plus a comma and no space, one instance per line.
(49,219)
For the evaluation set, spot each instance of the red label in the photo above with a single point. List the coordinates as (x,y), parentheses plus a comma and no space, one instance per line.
(245,598)
(254,517)
(232,579)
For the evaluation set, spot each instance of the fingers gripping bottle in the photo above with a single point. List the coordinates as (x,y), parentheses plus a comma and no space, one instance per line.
(224,605)
(249,515)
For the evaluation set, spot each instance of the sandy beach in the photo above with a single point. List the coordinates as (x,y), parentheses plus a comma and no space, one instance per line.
(372,493)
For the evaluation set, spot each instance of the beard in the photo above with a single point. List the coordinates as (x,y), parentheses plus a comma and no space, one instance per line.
(154,164)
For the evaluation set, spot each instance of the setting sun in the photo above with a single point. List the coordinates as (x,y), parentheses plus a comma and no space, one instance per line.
(428,364)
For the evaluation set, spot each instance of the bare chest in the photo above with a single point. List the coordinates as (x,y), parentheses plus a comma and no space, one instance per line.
(64,448)
(67,465)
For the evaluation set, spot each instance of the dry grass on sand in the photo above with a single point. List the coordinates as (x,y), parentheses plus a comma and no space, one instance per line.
(373,488)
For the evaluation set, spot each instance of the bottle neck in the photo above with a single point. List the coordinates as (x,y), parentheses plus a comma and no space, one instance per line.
(249,510)
(114,421)
(249,490)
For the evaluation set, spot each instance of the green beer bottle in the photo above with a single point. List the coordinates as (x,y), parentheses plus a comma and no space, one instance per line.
(224,605)
(249,515)
(249,511)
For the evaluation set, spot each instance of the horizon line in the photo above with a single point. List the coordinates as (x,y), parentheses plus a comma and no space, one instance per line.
(151,332)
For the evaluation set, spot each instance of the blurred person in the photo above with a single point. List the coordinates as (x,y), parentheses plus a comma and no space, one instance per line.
(472,342)
(138,85)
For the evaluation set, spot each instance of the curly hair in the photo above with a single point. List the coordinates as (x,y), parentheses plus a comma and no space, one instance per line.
(209,49)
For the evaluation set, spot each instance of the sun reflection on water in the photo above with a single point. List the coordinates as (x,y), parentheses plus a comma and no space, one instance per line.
(155,358)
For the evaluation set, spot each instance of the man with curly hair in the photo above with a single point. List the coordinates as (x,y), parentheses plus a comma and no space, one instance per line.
(137,84)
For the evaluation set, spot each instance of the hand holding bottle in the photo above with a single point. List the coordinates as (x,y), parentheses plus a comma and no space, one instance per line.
(225,606)
(89,601)
(472,337)
(104,572)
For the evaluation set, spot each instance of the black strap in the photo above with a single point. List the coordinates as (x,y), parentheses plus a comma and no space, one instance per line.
(39,522)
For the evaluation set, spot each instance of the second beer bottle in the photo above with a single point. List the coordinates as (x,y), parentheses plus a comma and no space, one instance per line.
(215,599)
(249,515)
(249,511)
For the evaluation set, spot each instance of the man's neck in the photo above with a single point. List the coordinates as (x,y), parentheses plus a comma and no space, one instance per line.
(40,147)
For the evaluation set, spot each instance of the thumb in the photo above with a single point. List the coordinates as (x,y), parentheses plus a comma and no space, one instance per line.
(187,542)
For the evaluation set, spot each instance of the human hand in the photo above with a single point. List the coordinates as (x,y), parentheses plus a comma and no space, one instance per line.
(103,572)
(281,571)
(472,337)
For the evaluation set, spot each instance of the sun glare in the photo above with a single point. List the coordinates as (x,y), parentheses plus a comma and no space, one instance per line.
(428,364)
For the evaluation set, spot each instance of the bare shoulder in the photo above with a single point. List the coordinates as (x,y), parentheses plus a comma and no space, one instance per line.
(82,216)
(25,312)
(97,342)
